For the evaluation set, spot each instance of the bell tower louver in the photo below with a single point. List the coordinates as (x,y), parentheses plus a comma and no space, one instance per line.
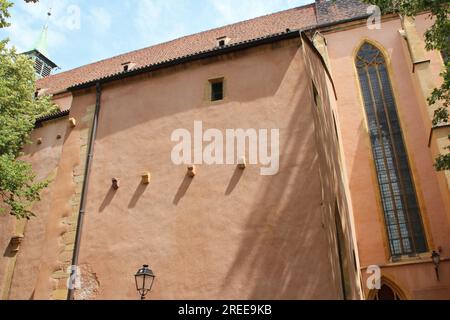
(39,53)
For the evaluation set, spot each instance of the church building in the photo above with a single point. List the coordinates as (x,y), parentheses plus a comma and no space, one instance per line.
(330,194)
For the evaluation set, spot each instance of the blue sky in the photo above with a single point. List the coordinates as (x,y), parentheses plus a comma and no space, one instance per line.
(82,31)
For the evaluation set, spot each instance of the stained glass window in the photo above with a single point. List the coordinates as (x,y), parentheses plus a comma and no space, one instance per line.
(401,210)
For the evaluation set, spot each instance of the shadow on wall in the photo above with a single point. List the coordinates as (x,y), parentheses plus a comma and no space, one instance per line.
(335,208)
(368,199)
(140,189)
(182,189)
(167,104)
(137,194)
(11,250)
(283,251)
(237,175)
(107,200)
(290,259)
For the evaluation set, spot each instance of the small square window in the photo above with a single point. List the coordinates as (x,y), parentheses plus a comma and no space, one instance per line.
(216,89)
(222,41)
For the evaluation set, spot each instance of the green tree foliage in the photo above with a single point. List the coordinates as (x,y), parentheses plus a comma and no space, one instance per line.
(4,14)
(436,38)
(19,110)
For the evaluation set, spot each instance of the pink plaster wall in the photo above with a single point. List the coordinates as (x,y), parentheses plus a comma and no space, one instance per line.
(368,215)
(60,211)
(226,234)
(336,205)
(7,227)
(231,234)
(45,160)
(63,100)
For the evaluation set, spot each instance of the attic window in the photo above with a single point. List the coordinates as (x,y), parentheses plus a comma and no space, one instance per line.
(223,41)
(39,92)
(127,66)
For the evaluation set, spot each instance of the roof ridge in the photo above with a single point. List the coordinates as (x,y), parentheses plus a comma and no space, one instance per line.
(187,56)
(295,18)
(250,19)
(183,37)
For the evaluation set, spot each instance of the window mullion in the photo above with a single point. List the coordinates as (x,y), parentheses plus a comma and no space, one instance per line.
(395,157)
(380,137)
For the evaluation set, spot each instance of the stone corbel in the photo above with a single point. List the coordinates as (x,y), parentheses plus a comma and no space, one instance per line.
(15,242)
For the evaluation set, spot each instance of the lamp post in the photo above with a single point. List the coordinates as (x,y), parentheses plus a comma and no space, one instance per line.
(144,278)
(436,257)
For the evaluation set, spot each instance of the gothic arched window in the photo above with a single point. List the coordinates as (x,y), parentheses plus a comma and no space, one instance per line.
(386,293)
(401,210)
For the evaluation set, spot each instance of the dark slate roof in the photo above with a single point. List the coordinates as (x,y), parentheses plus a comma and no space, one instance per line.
(52,116)
(332,11)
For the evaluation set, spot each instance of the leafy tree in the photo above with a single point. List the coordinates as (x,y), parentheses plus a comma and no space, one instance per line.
(4,13)
(19,110)
(4,6)
(436,38)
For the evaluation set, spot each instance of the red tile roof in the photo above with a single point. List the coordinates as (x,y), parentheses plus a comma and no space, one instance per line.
(294,19)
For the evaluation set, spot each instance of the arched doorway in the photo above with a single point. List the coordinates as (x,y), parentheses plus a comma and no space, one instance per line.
(388,291)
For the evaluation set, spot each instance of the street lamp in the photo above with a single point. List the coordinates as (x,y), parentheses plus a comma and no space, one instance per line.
(436,257)
(144,278)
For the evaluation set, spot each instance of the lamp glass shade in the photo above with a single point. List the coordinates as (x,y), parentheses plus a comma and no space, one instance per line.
(436,258)
(144,280)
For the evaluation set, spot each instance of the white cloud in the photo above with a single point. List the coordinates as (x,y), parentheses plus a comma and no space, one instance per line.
(158,20)
(234,10)
(100,18)
(231,11)
(107,28)
(37,12)
(28,19)
(21,36)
